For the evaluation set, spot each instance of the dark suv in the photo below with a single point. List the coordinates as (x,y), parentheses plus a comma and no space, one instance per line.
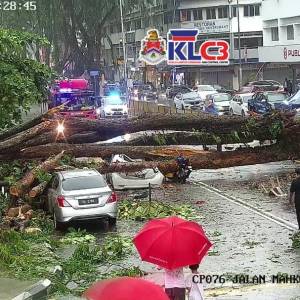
(172,91)
(266,101)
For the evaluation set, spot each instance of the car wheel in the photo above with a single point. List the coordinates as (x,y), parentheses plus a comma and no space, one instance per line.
(243,114)
(58,225)
(231,112)
(112,221)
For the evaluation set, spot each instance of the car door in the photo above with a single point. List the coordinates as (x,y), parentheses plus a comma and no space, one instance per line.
(178,99)
(53,193)
(239,105)
(233,105)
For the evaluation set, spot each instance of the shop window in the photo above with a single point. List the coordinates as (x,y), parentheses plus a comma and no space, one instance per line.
(274,34)
(185,15)
(234,11)
(251,10)
(210,13)
(137,24)
(198,14)
(290,32)
(223,12)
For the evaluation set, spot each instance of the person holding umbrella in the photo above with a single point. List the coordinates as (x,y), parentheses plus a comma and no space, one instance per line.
(175,284)
(195,289)
(172,243)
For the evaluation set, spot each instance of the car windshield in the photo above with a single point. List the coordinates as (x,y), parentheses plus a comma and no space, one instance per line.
(222,97)
(203,88)
(147,87)
(108,90)
(246,98)
(276,97)
(296,98)
(114,100)
(79,103)
(83,183)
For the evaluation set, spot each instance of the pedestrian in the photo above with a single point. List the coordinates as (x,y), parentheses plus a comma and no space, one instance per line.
(285,85)
(290,87)
(295,194)
(175,284)
(194,285)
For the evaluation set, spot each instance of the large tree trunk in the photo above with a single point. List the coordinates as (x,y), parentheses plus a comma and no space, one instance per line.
(21,186)
(268,153)
(37,190)
(20,138)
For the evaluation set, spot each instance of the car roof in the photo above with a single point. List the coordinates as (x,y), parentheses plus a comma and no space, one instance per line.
(215,94)
(78,173)
(244,94)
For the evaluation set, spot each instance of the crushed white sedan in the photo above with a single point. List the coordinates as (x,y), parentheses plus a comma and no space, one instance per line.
(134,180)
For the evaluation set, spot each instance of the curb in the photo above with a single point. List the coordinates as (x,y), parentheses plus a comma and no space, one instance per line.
(37,291)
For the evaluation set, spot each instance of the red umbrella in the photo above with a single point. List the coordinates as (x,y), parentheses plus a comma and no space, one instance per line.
(125,288)
(172,242)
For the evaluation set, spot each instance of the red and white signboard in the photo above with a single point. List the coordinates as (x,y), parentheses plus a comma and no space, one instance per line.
(280,54)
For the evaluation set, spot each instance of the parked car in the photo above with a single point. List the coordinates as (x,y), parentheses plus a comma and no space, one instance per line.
(265,102)
(172,91)
(277,100)
(190,100)
(221,102)
(294,101)
(113,106)
(147,92)
(134,180)
(222,89)
(204,90)
(239,104)
(80,195)
(261,85)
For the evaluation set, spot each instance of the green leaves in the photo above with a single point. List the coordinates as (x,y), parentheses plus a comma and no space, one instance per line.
(144,210)
(23,81)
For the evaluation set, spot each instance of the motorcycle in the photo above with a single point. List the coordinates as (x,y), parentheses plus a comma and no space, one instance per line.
(181,175)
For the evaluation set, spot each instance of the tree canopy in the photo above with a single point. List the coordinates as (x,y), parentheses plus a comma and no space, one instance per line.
(74,28)
(23,81)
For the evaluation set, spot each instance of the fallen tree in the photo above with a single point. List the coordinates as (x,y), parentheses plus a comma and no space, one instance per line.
(23,185)
(38,190)
(204,126)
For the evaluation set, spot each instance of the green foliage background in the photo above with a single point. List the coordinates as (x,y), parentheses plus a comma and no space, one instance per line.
(23,81)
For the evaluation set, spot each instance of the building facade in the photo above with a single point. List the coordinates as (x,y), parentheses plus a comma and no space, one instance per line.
(281,30)
(215,19)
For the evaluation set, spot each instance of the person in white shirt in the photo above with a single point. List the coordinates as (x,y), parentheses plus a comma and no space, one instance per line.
(195,289)
(175,284)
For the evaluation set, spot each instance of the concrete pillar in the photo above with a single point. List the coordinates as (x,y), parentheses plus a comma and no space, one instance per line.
(235,78)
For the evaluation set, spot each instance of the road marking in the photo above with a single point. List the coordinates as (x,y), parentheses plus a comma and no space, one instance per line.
(264,214)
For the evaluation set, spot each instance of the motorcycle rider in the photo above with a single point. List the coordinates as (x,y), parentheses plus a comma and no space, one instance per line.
(183,163)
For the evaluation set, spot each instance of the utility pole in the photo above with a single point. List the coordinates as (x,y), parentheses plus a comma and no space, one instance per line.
(231,37)
(240,77)
(124,43)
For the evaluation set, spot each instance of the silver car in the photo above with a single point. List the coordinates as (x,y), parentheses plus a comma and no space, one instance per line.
(80,195)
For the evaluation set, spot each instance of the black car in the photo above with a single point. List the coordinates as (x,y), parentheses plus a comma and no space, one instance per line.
(172,91)
(222,89)
(261,85)
(147,92)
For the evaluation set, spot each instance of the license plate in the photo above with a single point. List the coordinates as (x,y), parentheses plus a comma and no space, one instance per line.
(88,201)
